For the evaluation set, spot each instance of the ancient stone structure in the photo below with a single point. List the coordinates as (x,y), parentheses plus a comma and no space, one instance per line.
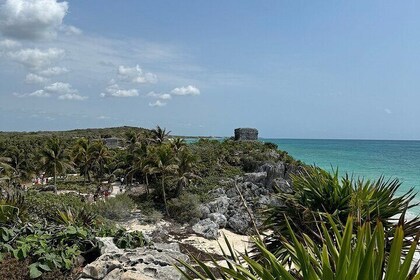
(246,134)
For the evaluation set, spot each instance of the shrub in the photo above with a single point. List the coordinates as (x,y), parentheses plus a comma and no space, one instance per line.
(45,205)
(318,193)
(129,239)
(185,208)
(150,214)
(115,208)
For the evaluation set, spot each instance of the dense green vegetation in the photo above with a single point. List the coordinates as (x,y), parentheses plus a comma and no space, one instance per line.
(324,227)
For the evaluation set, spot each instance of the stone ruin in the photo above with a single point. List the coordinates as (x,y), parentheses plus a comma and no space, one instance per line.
(246,134)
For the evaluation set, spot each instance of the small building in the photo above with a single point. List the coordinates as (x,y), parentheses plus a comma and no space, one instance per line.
(246,134)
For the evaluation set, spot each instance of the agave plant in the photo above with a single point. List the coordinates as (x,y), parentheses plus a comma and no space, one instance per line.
(317,191)
(341,255)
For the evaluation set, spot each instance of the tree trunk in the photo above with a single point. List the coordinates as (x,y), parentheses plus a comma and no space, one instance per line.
(147,185)
(84,177)
(55,178)
(164,195)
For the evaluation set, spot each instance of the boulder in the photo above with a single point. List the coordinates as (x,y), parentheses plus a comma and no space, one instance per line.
(219,205)
(207,228)
(257,178)
(204,210)
(219,219)
(239,222)
(274,171)
(154,262)
(108,246)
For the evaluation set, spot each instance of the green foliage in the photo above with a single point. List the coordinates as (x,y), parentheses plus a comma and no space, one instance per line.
(49,247)
(185,208)
(79,217)
(129,239)
(115,208)
(318,191)
(341,255)
(45,205)
(8,214)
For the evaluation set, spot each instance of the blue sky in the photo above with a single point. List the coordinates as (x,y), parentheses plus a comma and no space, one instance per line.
(292,69)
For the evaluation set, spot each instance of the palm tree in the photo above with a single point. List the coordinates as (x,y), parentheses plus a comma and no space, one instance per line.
(177,144)
(101,156)
(82,157)
(163,164)
(143,163)
(20,162)
(54,159)
(186,162)
(159,135)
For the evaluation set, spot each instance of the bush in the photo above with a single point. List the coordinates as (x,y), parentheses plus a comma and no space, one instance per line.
(185,208)
(46,205)
(129,239)
(150,214)
(115,208)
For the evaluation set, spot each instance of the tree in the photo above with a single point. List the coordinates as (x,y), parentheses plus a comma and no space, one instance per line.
(163,164)
(82,157)
(54,159)
(177,144)
(21,163)
(186,170)
(101,156)
(159,135)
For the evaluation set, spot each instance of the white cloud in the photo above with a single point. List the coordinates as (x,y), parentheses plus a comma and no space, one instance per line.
(188,90)
(70,30)
(40,93)
(64,91)
(35,79)
(158,103)
(53,71)
(388,111)
(115,91)
(163,96)
(136,75)
(72,96)
(31,19)
(60,88)
(9,44)
(36,58)
(102,117)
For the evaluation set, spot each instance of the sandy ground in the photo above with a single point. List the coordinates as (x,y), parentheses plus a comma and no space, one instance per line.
(240,243)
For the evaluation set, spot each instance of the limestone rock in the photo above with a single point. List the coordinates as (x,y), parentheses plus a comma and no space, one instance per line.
(239,223)
(219,219)
(154,262)
(207,228)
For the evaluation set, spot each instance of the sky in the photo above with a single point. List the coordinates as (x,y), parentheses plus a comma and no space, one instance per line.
(291,69)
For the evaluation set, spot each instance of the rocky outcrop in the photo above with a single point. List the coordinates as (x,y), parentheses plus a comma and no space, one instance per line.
(154,262)
(207,228)
(227,210)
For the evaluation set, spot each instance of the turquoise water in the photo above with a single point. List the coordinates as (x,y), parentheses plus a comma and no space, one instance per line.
(362,158)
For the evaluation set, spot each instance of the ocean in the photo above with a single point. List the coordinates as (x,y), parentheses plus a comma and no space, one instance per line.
(361,158)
